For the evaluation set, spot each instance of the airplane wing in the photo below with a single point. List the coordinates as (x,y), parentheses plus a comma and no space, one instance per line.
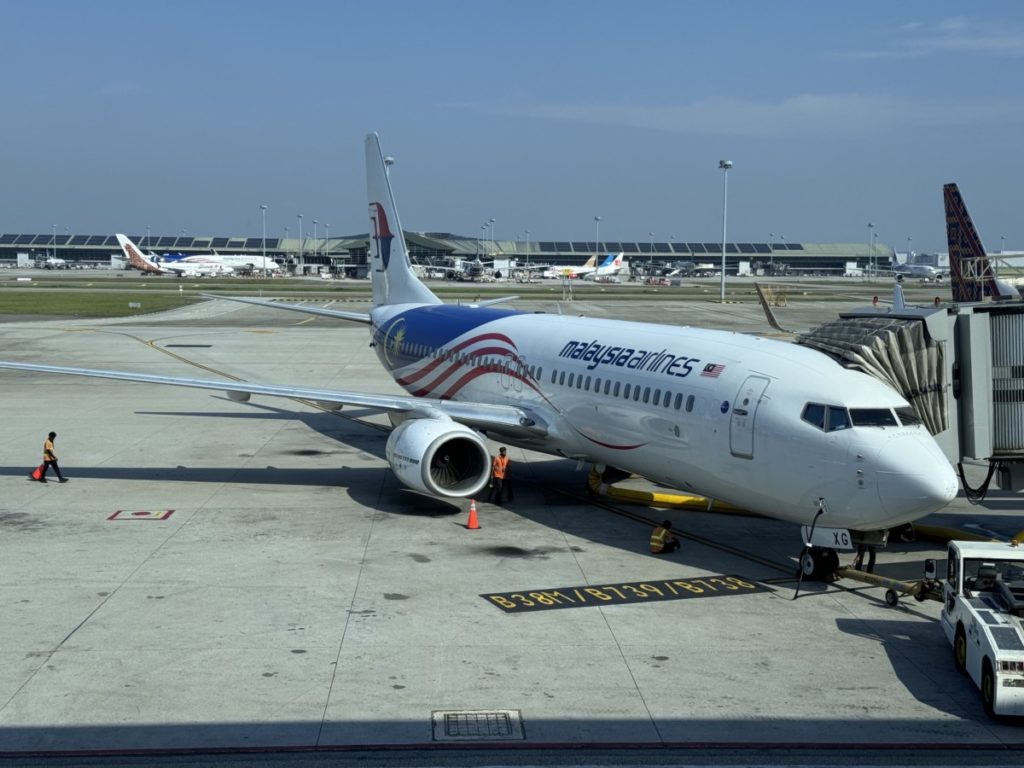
(507,419)
(358,317)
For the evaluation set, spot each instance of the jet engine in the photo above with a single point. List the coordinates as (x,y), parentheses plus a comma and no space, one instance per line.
(444,458)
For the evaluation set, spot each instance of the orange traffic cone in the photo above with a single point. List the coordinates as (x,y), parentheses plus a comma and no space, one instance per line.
(472,525)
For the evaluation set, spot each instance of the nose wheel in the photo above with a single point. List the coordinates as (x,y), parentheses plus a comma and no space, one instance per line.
(818,563)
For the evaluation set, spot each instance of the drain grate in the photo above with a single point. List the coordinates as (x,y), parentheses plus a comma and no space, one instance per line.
(478,725)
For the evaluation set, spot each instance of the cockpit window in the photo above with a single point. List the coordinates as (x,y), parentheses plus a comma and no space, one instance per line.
(872,417)
(908,417)
(838,418)
(814,413)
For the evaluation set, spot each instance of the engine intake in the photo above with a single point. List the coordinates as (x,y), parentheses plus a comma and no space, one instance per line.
(444,458)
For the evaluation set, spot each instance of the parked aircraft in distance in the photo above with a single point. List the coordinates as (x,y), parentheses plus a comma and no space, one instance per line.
(772,427)
(924,271)
(150,264)
(611,265)
(237,261)
(52,262)
(971,276)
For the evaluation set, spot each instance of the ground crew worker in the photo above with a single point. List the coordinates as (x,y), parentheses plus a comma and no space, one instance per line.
(501,479)
(50,459)
(662,540)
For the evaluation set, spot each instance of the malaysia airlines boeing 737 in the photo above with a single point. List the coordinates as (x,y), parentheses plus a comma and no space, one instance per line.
(769,426)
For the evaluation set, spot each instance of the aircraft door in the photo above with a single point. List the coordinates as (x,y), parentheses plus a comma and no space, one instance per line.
(744,410)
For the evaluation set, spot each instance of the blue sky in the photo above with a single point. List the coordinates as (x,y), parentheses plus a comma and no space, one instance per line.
(542,115)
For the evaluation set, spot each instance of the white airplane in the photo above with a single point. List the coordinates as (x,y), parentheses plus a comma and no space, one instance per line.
(776,428)
(924,271)
(153,264)
(610,267)
(52,262)
(233,260)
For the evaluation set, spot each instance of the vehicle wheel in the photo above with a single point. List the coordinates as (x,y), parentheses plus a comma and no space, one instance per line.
(960,649)
(891,598)
(988,688)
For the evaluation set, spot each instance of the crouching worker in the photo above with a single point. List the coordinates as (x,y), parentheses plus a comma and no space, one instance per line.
(662,540)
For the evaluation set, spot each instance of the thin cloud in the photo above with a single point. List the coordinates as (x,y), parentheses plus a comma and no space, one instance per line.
(955,35)
(839,115)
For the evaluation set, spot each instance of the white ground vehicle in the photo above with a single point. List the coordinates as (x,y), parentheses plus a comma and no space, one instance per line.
(983,617)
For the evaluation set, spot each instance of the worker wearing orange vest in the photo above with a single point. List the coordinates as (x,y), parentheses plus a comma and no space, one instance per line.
(662,540)
(500,477)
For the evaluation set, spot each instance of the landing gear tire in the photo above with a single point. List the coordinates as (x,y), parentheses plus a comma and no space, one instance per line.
(819,564)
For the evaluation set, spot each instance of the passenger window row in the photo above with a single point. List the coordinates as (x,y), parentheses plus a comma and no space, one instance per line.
(663,398)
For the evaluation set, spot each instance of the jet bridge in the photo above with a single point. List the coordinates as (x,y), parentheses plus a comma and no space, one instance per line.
(960,365)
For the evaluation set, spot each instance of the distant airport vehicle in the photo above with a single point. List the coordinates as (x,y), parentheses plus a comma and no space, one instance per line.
(971,276)
(983,618)
(151,264)
(772,427)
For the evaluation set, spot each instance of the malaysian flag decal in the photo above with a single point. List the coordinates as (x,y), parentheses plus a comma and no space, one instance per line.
(713,370)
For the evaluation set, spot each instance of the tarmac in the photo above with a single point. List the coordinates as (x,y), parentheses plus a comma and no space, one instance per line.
(223,577)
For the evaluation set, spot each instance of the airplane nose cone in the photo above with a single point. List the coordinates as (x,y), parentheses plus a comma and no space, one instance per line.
(915,479)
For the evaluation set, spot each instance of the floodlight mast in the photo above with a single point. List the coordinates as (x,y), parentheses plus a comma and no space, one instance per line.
(724,165)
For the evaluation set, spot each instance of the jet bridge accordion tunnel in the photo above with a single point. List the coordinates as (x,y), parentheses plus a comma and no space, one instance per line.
(960,365)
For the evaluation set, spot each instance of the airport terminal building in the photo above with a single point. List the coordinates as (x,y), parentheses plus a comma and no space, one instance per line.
(348,255)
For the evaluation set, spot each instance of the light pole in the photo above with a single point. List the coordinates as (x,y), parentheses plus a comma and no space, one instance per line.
(871,251)
(302,266)
(597,240)
(724,165)
(327,240)
(771,253)
(490,224)
(1002,243)
(650,255)
(148,244)
(53,242)
(315,243)
(527,255)
(263,211)
(909,253)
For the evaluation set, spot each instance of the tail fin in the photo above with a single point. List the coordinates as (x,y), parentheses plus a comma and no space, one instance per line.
(135,257)
(394,282)
(970,272)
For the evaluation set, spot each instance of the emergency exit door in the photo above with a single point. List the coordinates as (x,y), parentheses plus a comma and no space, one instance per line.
(744,411)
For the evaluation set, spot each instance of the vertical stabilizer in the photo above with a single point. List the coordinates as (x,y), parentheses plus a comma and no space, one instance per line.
(970,272)
(394,282)
(135,257)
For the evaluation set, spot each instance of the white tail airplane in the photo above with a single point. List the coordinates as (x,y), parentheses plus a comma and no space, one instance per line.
(183,268)
(610,267)
(772,427)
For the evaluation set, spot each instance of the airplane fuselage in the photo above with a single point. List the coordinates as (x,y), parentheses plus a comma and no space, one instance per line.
(706,411)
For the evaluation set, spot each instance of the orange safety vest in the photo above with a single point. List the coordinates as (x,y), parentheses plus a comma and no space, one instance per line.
(658,537)
(499,465)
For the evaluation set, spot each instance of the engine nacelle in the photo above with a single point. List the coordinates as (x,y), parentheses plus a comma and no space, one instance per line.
(440,457)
